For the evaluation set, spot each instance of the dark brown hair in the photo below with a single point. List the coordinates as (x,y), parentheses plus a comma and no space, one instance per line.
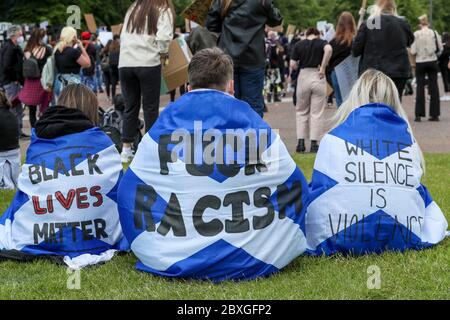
(345,29)
(78,96)
(144,15)
(312,31)
(210,69)
(4,102)
(35,39)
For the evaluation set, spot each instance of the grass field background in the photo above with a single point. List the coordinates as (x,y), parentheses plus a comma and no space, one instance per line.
(412,275)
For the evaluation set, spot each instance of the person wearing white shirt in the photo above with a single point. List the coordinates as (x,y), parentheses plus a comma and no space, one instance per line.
(146,35)
(426,48)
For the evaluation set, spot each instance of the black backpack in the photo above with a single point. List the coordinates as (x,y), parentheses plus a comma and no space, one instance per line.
(31,68)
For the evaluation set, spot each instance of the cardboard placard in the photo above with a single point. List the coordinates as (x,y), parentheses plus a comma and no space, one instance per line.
(104,37)
(290,30)
(197,11)
(176,72)
(117,29)
(90,22)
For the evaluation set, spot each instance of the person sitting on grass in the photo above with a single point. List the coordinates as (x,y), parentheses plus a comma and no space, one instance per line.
(369,197)
(9,145)
(212,192)
(65,206)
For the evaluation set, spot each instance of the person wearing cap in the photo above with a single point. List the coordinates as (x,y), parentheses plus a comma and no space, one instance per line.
(426,47)
(88,74)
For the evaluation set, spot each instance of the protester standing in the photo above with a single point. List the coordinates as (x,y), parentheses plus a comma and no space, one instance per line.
(98,70)
(241,24)
(70,57)
(9,145)
(88,75)
(426,48)
(113,61)
(342,49)
(11,78)
(382,43)
(32,94)
(444,60)
(146,35)
(311,56)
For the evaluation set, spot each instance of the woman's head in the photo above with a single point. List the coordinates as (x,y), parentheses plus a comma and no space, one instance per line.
(312,32)
(78,96)
(346,28)
(4,102)
(384,7)
(373,87)
(67,38)
(144,15)
(35,39)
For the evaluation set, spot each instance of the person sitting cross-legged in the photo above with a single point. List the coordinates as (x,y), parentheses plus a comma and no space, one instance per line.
(65,206)
(212,192)
(366,192)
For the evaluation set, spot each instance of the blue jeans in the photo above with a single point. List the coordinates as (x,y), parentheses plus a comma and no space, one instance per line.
(337,90)
(90,82)
(249,86)
(98,77)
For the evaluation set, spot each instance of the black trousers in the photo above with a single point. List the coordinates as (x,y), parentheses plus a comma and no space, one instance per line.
(445,75)
(429,69)
(400,83)
(139,85)
(33,118)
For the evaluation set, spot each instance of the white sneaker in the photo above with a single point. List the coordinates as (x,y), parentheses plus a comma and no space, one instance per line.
(445,98)
(127,156)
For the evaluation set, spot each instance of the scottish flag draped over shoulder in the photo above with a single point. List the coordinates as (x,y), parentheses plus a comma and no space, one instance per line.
(212,193)
(66,203)
(366,191)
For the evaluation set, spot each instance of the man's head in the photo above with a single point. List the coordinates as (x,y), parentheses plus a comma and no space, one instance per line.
(14,33)
(211,69)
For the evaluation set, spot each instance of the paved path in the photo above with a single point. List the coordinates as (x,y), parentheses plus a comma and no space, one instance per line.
(433,137)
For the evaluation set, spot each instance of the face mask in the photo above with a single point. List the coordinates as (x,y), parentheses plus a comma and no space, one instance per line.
(20,40)
(45,39)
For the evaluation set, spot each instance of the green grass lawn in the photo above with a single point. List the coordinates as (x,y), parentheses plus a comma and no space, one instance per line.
(412,275)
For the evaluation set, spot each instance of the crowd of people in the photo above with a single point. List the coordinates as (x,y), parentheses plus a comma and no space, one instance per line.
(62,82)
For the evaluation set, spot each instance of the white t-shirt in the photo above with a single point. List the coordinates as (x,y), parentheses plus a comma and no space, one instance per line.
(424,46)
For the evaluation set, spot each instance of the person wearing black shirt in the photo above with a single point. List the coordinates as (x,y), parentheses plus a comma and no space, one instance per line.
(70,57)
(9,145)
(342,49)
(311,56)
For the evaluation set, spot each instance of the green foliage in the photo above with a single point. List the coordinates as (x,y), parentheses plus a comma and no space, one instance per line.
(303,13)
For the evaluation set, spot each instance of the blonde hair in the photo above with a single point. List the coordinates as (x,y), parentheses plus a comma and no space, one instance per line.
(383,6)
(374,87)
(66,38)
(78,96)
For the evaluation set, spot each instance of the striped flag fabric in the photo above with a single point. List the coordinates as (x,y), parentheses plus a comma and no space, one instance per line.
(213,194)
(366,191)
(66,203)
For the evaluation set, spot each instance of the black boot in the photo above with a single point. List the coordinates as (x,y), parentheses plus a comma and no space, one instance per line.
(314,146)
(301,146)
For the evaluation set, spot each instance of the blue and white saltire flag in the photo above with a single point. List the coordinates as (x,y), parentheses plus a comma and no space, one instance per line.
(188,213)
(366,191)
(66,203)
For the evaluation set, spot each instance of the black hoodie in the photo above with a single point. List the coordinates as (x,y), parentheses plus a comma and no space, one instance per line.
(60,121)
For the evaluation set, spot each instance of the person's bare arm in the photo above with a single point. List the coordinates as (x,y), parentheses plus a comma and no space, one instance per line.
(328,51)
(84,61)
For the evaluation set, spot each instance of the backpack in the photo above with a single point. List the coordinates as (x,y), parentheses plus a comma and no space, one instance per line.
(111,124)
(49,73)
(105,63)
(31,68)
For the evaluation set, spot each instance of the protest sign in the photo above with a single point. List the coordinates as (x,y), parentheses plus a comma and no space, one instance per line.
(176,72)
(369,198)
(197,11)
(213,193)
(90,22)
(347,75)
(66,201)
(117,29)
(104,37)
